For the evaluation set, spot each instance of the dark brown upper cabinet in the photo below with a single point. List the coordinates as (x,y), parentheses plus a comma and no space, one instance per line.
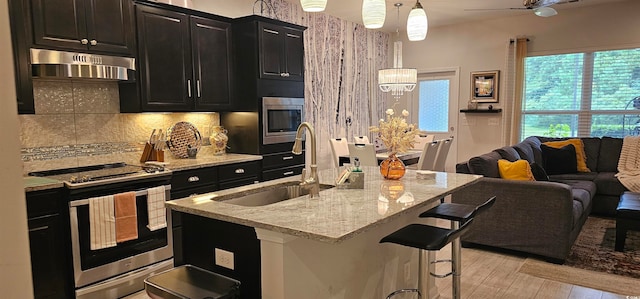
(101,26)
(185,61)
(281,52)
(20,44)
(269,60)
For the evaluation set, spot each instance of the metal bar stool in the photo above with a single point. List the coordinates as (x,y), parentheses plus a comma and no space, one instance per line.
(424,237)
(458,214)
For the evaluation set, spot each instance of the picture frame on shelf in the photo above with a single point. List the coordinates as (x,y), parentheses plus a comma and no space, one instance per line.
(485,86)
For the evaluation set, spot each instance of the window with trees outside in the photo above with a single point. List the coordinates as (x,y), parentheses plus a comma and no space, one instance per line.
(582,94)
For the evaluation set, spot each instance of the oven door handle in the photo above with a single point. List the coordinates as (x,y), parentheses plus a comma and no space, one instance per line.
(82,202)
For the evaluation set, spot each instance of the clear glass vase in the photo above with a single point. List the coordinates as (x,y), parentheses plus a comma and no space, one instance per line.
(392,168)
(219,140)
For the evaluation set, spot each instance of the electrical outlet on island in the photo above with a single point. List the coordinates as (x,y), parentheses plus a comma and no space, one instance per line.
(223,258)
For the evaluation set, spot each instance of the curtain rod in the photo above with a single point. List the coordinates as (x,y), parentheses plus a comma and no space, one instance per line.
(512,40)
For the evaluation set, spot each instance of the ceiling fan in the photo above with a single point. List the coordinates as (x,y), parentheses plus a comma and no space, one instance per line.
(541,8)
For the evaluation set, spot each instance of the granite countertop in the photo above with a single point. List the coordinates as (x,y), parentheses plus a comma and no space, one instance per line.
(203,161)
(32,183)
(335,216)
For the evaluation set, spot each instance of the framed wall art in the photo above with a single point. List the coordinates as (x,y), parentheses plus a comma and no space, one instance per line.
(485,86)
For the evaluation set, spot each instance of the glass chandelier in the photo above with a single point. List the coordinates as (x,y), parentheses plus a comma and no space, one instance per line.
(373,13)
(397,80)
(313,5)
(417,24)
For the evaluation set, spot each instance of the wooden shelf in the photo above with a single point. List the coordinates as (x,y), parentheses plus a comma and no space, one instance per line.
(480,110)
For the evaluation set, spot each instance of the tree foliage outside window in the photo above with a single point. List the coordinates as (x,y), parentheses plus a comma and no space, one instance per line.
(582,94)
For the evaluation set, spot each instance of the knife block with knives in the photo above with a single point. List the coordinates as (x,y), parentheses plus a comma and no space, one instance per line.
(154,147)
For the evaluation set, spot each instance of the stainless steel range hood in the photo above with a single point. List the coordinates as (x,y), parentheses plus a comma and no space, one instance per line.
(58,64)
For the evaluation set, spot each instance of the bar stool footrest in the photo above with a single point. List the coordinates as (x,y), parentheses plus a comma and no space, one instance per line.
(401,291)
(442,275)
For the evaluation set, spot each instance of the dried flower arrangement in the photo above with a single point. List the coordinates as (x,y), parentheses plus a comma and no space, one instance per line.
(395,133)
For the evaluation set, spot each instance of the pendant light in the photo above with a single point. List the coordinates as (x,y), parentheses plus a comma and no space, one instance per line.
(417,24)
(397,80)
(373,13)
(313,5)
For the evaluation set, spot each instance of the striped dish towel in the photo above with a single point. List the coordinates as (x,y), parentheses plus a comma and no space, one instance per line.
(102,222)
(155,206)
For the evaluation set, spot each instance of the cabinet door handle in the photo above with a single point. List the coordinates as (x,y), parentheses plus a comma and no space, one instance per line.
(293,35)
(189,88)
(39,228)
(240,170)
(270,31)
(94,42)
(193,179)
(288,173)
(84,41)
(287,158)
(198,88)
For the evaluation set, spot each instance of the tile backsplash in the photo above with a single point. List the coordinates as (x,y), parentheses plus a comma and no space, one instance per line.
(77,123)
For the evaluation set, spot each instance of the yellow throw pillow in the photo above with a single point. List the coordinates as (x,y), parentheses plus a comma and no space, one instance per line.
(518,171)
(581,156)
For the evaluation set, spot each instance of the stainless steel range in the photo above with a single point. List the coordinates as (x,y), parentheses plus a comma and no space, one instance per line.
(118,270)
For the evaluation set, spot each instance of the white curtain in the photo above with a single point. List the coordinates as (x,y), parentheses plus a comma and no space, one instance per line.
(514,80)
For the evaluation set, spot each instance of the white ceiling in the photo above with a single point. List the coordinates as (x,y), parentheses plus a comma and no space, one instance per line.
(444,12)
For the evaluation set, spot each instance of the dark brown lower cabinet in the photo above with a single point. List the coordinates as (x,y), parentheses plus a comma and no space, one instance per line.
(49,243)
(201,236)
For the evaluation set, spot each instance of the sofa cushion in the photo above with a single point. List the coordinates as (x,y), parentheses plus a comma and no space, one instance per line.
(516,171)
(525,151)
(610,149)
(592,151)
(587,186)
(583,197)
(486,165)
(559,160)
(578,211)
(581,157)
(582,176)
(538,172)
(462,168)
(608,184)
(535,143)
(508,153)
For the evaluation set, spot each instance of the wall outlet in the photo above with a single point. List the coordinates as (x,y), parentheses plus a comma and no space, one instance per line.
(407,271)
(223,258)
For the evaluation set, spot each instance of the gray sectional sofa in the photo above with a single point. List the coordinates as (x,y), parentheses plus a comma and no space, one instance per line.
(541,217)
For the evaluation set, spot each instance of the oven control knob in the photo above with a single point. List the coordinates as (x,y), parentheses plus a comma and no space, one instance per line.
(73,179)
(86,178)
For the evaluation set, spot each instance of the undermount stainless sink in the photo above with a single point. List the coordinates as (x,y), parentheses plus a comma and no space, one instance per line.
(271,194)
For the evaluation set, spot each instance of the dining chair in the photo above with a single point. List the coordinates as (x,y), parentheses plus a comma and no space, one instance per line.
(421,140)
(365,152)
(361,139)
(428,156)
(443,152)
(338,148)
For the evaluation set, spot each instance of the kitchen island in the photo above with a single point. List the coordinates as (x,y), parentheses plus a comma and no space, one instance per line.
(327,247)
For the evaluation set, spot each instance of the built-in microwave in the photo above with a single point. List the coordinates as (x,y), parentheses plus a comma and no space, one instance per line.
(281,118)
